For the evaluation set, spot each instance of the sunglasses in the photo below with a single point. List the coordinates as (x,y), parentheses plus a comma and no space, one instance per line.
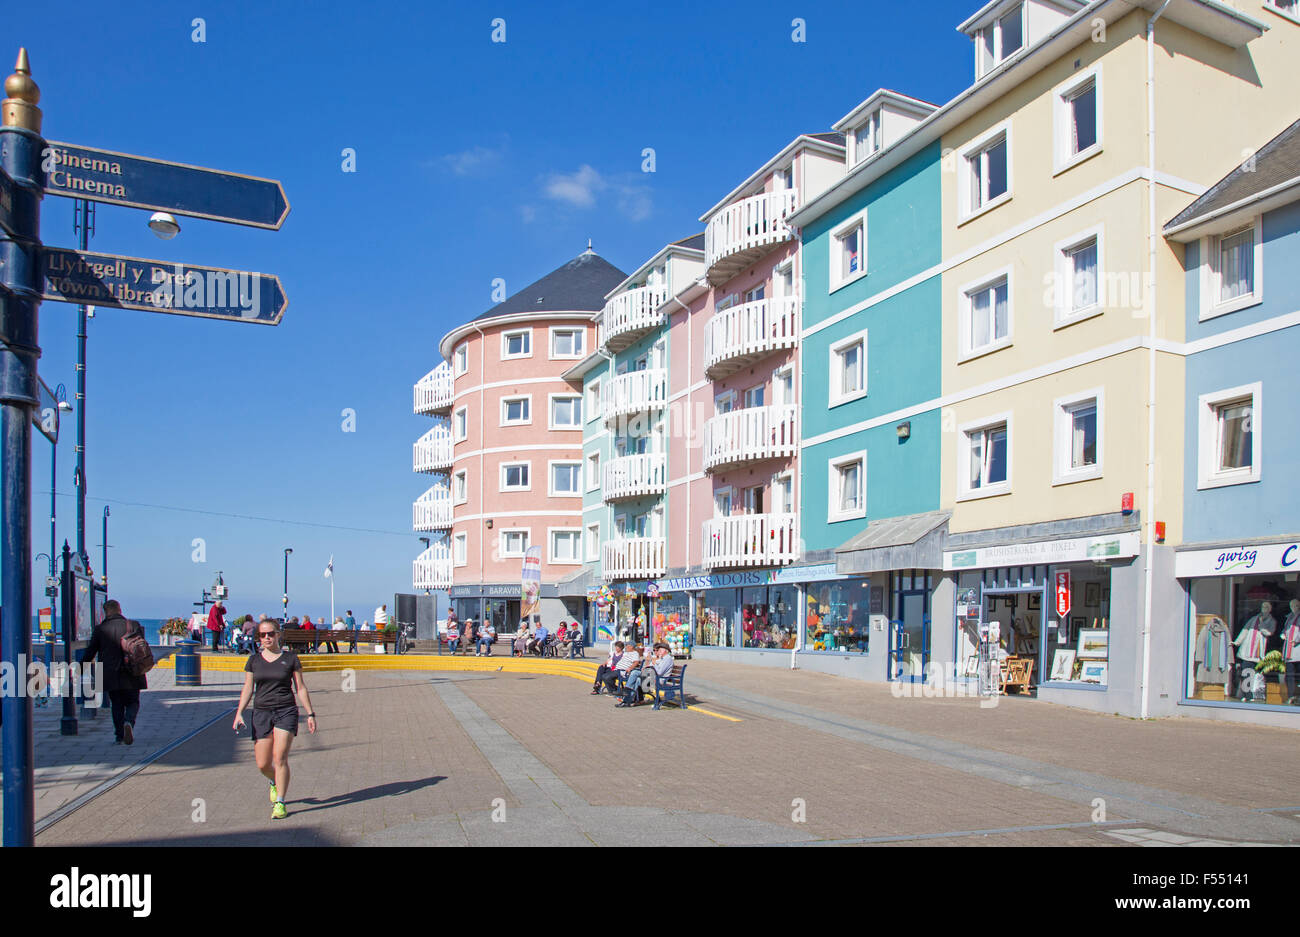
(266,634)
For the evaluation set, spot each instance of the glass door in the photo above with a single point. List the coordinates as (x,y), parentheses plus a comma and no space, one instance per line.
(909,640)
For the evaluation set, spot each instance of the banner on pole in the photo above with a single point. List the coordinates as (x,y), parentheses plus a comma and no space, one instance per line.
(531,583)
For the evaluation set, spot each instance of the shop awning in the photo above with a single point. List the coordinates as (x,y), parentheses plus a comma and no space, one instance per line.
(576,586)
(915,541)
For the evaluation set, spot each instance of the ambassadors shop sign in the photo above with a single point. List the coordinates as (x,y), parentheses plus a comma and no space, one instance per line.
(1239,561)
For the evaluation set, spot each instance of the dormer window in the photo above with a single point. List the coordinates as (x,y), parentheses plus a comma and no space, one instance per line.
(784,180)
(867,138)
(999,40)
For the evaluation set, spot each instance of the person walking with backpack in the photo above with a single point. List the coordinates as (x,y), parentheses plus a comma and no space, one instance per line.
(274,678)
(120,645)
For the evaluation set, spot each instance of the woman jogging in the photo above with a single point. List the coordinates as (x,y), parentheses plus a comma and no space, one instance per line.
(274,674)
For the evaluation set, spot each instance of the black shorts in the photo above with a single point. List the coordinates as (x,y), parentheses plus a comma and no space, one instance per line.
(264,720)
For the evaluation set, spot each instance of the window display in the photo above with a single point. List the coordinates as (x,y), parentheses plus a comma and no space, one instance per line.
(767,616)
(838,616)
(715,617)
(1245,640)
(1078,642)
(672,621)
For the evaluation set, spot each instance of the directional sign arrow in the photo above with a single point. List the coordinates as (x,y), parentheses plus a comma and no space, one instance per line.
(70,276)
(139,182)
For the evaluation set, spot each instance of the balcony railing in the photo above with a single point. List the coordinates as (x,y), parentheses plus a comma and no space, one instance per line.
(433,450)
(634,392)
(434,391)
(633,476)
(432,568)
(745,230)
(631,314)
(633,558)
(432,510)
(739,336)
(751,540)
(750,435)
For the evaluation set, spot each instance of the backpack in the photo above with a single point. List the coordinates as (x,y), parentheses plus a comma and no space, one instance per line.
(137,657)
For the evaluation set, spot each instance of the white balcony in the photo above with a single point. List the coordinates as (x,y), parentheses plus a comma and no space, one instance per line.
(630,315)
(432,510)
(737,337)
(633,558)
(751,540)
(432,569)
(433,450)
(634,392)
(434,391)
(750,435)
(634,476)
(746,230)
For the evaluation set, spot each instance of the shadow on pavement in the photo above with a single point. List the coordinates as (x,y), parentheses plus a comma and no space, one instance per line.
(391,789)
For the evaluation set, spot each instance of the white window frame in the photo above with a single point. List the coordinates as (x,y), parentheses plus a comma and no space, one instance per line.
(525,422)
(838,280)
(977,147)
(591,406)
(1063,124)
(460,549)
(835,395)
(1063,441)
(551,533)
(591,466)
(783,377)
(1210,273)
(550,478)
(749,391)
(834,470)
(460,360)
(580,343)
(778,280)
(729,395)
(998,56)
(730,492)
(505,344)
(460,433)
(591,537)
(1292,15)
(966,306)
(505,487)
(463,483)
(1207,441)
(964,491)
(550,412)
(874,124)
(778,481)
(1063,296)
(506,531)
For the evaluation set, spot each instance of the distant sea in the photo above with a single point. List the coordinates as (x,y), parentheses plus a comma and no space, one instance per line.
(150,626)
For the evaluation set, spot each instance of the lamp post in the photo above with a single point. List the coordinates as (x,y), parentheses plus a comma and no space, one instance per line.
(83,225)
(287,551)
(104,569)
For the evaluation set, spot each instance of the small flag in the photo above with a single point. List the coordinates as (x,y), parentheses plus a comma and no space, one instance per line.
(329,570)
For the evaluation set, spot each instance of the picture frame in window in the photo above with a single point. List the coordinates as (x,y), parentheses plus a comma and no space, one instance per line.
(1063,664)
(1009,601)
(1035,602)
(1094,672)
(1094,643)
(1092,595)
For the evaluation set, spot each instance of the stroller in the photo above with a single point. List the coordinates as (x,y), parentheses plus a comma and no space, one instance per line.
(239,642)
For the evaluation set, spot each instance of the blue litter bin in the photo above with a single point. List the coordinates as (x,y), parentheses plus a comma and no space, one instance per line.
(189,672)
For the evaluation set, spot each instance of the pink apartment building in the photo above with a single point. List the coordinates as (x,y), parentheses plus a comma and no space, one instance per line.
(505,451)
(734,378)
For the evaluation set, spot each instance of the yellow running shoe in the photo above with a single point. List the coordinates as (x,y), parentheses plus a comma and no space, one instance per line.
(278,812)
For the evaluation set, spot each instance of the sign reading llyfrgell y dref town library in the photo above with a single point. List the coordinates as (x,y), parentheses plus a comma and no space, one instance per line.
(159,286)
(138,182)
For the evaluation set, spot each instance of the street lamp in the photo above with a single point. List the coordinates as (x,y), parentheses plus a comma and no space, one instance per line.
(104,570)
(287,551)
(164,225)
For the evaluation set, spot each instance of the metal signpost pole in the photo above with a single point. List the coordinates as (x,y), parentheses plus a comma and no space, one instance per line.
(20,247)
(83,213)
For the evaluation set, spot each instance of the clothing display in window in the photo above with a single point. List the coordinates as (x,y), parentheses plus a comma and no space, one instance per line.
(1253,638)
(1291,633)
(1214,653)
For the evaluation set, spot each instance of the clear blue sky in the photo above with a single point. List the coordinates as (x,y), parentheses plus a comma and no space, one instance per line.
(470,159)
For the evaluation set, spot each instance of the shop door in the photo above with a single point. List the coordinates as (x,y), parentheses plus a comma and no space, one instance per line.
(909,643)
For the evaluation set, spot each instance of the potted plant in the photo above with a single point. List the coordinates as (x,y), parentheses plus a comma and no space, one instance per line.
(171,630)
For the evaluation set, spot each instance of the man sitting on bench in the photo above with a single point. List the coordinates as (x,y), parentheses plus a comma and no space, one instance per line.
(642,679)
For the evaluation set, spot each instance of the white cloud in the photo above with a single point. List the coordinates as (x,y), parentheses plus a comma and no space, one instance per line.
(584,188)
(470,161)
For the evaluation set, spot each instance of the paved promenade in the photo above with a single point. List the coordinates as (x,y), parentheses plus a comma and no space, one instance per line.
(491,756)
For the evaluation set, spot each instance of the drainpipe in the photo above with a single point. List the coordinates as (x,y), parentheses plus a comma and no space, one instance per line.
(690,360)
(1148,505)
(482,444)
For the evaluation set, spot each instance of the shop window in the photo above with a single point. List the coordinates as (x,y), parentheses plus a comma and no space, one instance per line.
(672,618)
(715,618)
(838,616)
(1244,641)
(1230,437)
(768,617)
(1078,643)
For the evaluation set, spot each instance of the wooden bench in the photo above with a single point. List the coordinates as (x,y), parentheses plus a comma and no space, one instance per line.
(302,638)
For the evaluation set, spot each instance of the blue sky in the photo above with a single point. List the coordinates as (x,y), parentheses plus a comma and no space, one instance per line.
(474,160)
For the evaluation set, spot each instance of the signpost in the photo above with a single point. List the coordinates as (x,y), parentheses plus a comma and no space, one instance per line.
(160,286)
(31,167)
(157,185)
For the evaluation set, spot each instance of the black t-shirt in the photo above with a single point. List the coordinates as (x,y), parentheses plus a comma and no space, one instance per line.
(273,679)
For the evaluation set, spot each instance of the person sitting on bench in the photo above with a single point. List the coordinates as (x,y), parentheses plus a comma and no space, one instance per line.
(642,679)
(487,636)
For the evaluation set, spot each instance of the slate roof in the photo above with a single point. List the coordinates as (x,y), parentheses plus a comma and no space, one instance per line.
(1276,162)
(580,285)
(695,242)
(835,138)
(895,531)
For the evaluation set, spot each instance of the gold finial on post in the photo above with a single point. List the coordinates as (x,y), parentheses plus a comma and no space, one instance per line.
(21,96)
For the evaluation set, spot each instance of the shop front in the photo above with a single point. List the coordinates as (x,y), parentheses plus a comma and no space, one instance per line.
(1242,644)
(499,604)
(1043,612)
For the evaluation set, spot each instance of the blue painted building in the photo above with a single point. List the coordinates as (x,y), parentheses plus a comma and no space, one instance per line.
(1239,565)
(870,350)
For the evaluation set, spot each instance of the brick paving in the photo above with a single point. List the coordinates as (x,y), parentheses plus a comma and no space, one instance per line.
(420,758)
